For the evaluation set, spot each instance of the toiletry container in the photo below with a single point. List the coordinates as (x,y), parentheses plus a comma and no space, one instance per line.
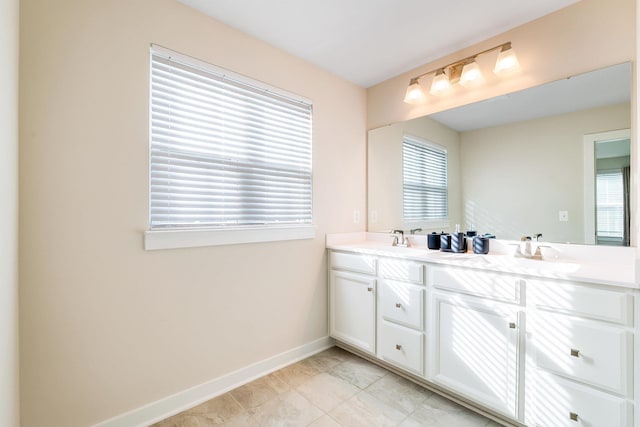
(433,240)
(481,245)
(458,242)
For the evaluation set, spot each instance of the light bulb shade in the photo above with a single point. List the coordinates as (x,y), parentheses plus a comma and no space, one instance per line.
(414,94)
(440,84)
(507,62)
(471,75)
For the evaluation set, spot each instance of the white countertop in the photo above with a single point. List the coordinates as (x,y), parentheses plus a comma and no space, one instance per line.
(603,265)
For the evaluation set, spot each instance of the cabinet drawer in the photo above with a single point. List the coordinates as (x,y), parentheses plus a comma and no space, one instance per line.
(604,304)
(560,403)
(402,270)
(402,346)
(585,350)
(402,303)
(353,262)
(473,282)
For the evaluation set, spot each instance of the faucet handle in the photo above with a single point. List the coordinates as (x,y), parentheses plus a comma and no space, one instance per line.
(415,230)
(538,254)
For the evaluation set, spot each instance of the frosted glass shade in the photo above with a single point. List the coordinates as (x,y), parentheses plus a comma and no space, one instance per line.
(507,62)
(414,94)
(440,84)
(471,75)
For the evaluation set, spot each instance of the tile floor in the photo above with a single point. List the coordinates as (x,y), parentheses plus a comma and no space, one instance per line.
(330,389)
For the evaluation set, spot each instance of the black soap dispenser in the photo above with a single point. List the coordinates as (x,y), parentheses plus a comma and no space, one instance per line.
(433,240)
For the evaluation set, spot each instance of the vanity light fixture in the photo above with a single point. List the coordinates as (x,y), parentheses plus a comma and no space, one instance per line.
(471,75)
(507,62)
(465,71)
(414,94)
(440,84)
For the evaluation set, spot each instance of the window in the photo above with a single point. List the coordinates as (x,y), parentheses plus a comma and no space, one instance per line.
(226,152)
(610,205)
(424,172)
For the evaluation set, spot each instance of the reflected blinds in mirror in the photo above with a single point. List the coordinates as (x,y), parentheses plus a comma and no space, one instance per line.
(424,175)
(610,206)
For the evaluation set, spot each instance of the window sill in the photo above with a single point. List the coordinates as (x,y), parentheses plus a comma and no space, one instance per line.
(173,239)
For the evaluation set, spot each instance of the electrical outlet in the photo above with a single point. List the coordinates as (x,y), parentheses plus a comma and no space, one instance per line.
(356,217)
(373,216)
(563,216)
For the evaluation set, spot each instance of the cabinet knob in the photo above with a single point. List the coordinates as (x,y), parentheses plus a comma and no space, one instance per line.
(398,305)
(573,416)
(512,325)
(575,353)
(370,289)
(398,347)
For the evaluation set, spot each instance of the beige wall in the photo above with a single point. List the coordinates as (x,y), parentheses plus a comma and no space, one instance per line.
(588,35)
(384,166)
(9,31)
(517,177)
(105,326)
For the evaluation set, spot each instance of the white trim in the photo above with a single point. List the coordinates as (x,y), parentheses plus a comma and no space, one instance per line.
(172,239)
(191,397)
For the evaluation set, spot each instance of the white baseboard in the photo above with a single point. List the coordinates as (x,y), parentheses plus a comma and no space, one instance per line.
(171,405)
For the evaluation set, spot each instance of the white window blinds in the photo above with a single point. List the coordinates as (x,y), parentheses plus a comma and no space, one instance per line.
(225,151)
(610,204)
(424,172)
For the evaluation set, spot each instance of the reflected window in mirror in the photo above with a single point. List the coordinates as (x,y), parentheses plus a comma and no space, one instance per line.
(610,207)
(612,161)
(424,177)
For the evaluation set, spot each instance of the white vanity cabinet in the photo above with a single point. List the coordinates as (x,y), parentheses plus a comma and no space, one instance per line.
(581,348)
(475,345)
(401,314)
(543,352)
(352,300)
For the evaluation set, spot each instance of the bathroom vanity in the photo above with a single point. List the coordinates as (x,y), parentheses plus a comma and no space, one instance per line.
(531,342)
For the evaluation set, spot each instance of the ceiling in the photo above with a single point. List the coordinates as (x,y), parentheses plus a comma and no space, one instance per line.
(369,41)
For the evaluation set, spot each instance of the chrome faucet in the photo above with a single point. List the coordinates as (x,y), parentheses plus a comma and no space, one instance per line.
(528,251)
(399,239)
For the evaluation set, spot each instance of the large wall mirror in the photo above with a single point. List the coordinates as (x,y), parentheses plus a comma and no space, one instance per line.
(551,160)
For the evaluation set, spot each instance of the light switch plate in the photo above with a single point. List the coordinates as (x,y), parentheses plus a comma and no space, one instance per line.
(563,216)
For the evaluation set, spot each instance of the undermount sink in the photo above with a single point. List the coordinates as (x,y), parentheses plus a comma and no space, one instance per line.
(511,262)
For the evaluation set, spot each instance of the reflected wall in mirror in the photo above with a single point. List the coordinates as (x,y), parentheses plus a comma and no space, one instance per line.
(518,164)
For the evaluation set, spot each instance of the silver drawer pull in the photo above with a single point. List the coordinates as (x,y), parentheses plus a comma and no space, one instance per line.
(573,416)
(512,325)
(398,347)
(575,353)
(370,289)
(398,305)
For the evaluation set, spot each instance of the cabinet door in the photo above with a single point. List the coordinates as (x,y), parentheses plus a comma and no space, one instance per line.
(352,316)
(475,352)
